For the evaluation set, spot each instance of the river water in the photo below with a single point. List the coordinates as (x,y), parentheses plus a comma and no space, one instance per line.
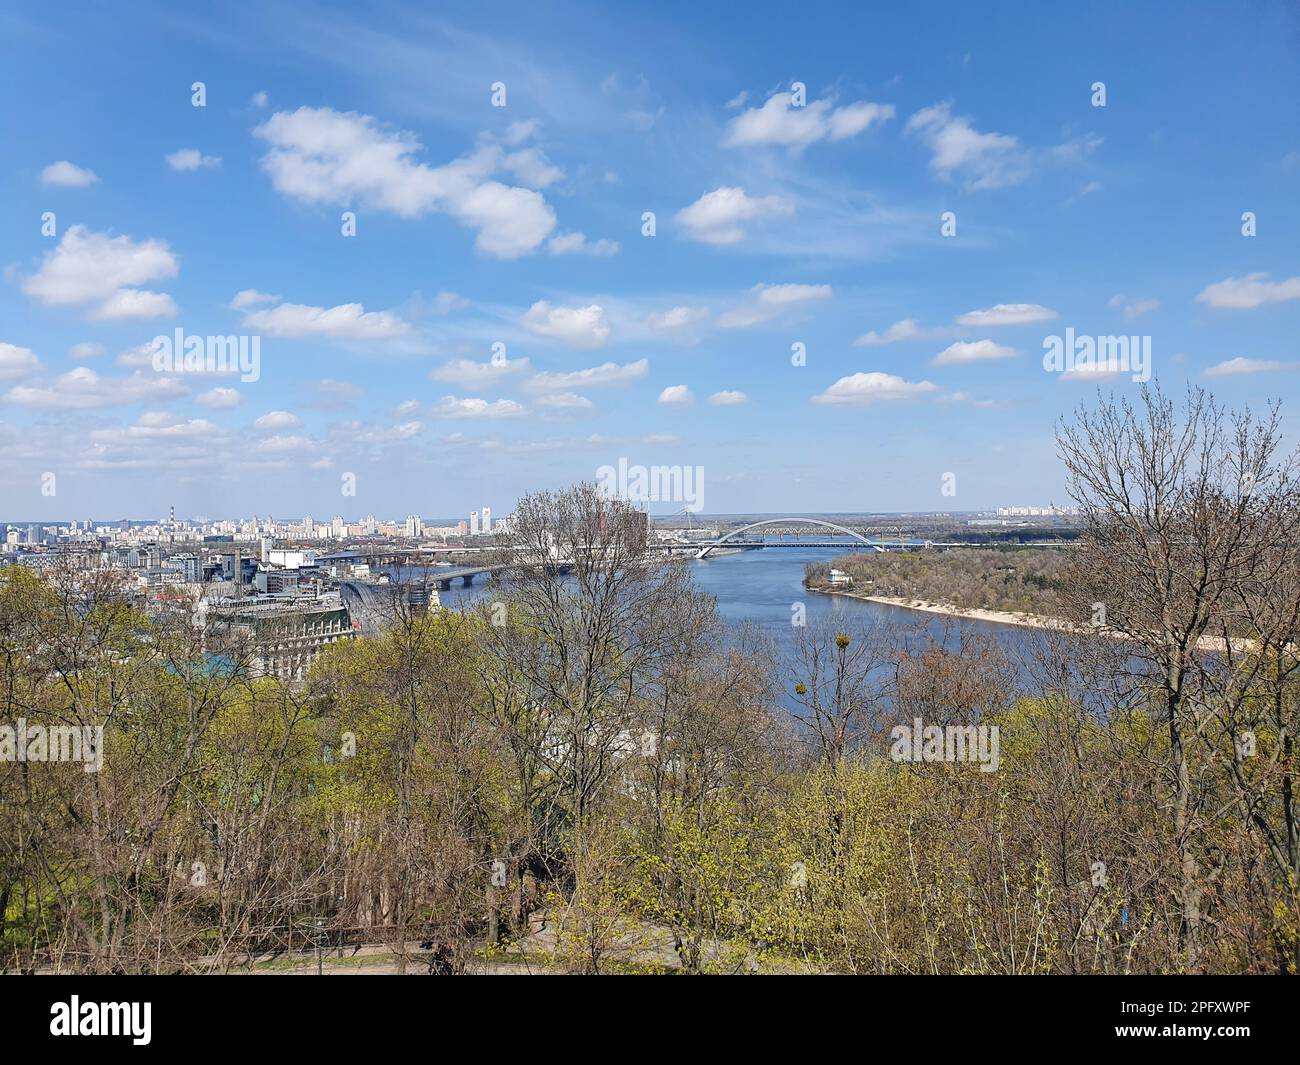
(762,587)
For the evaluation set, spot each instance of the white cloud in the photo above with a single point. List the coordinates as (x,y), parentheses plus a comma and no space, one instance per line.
(728,399)
(68,175)
(139,357)
(768,301)
(89,268)
(676,396)
(191,159)
(1006,314)
(323,156)
(277,445)
(478,375)
(150,428)
(1132,308)
(965,351)
(577,244)
(579,327)
(128,304)
(451,407)
(720,216)
(347,321)
(985,160)
(259,99)
(85,350)
(778,123)
(83,389)
(863,389)
(905,329)
(609,373)
(275,421)
(220,398)
(16,362)
(738,100)
(532,168)
(563,401)
(1237,366)
(1246,293)
(250,297)
(675,318)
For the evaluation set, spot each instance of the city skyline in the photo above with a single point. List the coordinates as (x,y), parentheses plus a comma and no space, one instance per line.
(428,239)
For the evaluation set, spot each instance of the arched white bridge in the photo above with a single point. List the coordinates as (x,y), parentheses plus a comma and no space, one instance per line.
(790,521)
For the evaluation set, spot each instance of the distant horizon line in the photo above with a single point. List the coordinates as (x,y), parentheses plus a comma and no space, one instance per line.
(672,514)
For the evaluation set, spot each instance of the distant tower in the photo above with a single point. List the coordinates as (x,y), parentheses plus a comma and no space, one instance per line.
(487,520)
(171,524)
(473,523)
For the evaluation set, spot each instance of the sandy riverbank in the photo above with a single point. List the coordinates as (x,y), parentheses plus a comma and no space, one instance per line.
(996,617)
(1012,617)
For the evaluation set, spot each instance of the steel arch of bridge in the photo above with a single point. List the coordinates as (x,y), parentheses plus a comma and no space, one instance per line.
(789,521)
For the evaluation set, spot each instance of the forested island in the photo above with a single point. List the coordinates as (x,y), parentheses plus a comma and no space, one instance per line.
(1027,580)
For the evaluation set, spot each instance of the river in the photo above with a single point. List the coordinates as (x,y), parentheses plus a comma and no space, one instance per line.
(761,587)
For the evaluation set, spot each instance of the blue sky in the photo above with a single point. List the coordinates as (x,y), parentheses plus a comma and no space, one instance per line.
(775,224)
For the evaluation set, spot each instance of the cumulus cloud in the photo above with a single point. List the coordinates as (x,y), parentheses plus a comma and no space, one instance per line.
(127,304)
(1238,366)
(577,244)
(347,321)
(68,175)
(275,421)
(768,301)
(83,389)
(250,297)
(95,269)
(220,398)
(983,160)
(451,407)
(16,362)
(675,319)
(779,123)
(965,351)
(284,444)
(1006,314)
(676,396)
(728,398)
(720,216)
(905,329)
(139,357)
(478,375)
(323,156)
(565,401)
(863,389)
(579,327)
(191,159)
(1249,292)
(609,373)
